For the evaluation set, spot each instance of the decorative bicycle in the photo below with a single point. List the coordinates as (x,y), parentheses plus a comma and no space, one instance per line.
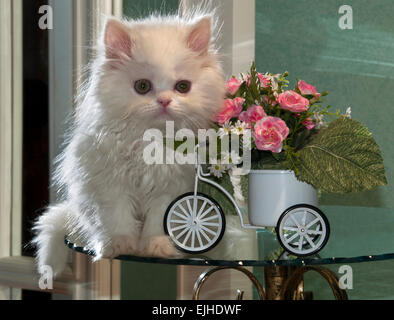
(196,223)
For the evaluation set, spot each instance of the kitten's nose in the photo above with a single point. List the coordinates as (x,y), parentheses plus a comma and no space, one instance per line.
(164,102)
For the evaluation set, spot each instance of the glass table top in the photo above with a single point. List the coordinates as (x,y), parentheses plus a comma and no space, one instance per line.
(349,242)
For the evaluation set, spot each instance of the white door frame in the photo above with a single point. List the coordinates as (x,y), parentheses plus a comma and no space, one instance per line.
(10,135)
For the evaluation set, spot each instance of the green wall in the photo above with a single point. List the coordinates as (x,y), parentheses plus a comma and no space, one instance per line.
(356,67)
(141,8)
(145,280)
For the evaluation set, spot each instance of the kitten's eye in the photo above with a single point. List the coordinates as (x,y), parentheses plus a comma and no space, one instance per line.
(183,86)
(143,86)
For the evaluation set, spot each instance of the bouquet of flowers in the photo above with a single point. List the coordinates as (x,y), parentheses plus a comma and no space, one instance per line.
(293,130)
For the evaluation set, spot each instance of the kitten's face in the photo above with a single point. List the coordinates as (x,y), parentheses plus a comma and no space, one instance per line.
(161,71)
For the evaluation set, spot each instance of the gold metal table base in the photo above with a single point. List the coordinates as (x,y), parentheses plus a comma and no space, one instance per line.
(281,283)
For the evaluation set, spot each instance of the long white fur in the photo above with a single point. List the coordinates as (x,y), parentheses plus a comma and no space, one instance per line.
(113,201)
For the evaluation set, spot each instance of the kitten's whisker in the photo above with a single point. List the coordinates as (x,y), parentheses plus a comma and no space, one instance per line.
(145,108)
(193,123)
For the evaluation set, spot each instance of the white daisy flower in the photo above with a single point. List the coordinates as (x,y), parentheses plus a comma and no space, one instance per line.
(319,120)
(230,159)
(348,113)
(273,78)
(239,127)
(217,169)
(225,129)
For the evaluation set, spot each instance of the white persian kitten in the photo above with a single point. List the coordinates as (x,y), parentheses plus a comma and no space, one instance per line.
(147,72)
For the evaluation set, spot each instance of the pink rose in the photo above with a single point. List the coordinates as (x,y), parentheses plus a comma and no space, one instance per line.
(244,117)
(308,123)
(269,134)
(307,89)
(293,101)
(253,114)
(233,85)
(231,109)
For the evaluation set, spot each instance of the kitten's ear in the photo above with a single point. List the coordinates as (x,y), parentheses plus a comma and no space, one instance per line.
(117,40)
(200,36)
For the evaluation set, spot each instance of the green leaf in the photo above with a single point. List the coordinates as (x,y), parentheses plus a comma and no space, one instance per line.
(342,158)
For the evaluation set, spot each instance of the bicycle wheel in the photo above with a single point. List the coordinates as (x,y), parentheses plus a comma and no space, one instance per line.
(194,223)
(303,230)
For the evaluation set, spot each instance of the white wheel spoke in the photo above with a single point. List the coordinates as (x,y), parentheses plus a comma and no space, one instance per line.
(202,208)
(300,242)
(292,238)
(210,218)
(189,207)
(208,230)
(178,221)
(290,228)
(304,218)
(205,235)
(199,238)
(211,224)
(182,233)
(294,220)
(184,210)
(310,241)
(179,227)
(195,200)
(206,212)
(187,236)
(180,215)
(310,224)
(314,232)
(193,237)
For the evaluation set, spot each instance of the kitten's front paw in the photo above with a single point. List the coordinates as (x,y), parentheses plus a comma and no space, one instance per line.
(121,245)
(159,246)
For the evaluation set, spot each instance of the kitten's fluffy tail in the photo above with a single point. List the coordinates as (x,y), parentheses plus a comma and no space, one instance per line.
(50,230)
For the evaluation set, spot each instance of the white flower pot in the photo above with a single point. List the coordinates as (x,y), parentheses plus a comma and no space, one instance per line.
(271,192)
